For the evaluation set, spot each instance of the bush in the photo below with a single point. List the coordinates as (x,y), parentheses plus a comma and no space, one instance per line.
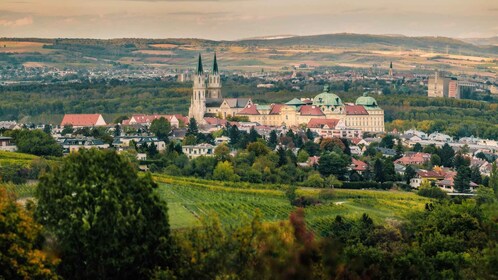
(366,185)
(432,192)
(326,194)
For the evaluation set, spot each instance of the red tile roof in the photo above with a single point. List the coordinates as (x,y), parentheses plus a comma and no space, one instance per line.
(215,121)
(359,165)
(355,110)
(142,118)
(320,123)
(249,110)
(81,119)
(276,108)
(356,140)
(413,158)
(310,110)
(430,174)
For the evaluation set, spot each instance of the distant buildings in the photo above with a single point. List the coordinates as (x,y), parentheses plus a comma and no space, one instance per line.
(439,85)
(82,120)
(7,145)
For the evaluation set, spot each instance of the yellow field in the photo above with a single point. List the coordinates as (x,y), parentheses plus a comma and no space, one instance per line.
(22,47)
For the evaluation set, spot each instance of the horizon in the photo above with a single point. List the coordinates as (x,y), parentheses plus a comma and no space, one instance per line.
(230,20)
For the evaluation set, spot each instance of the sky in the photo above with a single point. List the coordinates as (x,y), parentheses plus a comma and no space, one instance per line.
(238,19)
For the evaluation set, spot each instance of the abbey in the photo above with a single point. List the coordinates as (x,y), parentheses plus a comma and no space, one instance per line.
(324,109)
(207,99)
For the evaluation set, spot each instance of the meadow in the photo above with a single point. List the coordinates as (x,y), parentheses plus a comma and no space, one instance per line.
(189,200)
(9,158)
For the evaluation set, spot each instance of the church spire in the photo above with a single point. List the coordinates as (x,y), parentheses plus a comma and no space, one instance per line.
(391,65)
(200,71)
(215,65)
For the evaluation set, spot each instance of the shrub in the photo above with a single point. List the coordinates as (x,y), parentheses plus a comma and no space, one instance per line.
(432,192)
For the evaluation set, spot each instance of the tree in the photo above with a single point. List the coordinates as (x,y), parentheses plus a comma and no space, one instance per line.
(309,135)
(107,221)
(475,175)
(493,179)
(302,156)
(192,128)
(21,254)
(447,154)
(47,129)
(224,172)
(417,147)
(462,179)
(253,135)
(258,148)
(36,142)
(161,128)
(332,144)
(387,142)
(332,164)
(68,129)
(435,160)
(222,152)
(379,171)
(273,139)
(485,195)
(409,174)
(117,130)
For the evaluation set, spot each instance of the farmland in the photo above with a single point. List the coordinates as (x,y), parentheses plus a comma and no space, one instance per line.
(9,158)
(189,200)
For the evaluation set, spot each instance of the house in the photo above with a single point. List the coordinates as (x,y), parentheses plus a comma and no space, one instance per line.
(358,166)
(440,137)
(194,151)
(125,141)
(175,120)
(83,120)
(7,145)
(387,152)
(414,159)
(429,175)
(70,145)
(221,139)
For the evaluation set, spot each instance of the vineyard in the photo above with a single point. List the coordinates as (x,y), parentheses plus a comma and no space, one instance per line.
(189,201)
(11,158)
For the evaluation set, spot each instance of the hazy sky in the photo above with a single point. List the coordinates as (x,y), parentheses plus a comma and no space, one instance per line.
(236,19)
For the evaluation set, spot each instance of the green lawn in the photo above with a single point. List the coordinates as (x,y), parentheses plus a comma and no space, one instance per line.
(190,201)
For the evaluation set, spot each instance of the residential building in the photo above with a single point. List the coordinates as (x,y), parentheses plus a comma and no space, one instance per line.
(83,120)
(194,151)
(7,145)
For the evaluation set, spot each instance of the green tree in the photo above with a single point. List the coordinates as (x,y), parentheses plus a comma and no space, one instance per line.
(302,156)
(447,154)
(117,130)
(475,175)
(493,178)
(309,135)
(36,142)
(161,128)
(224,172)
(258,148)
(47,129)
(192,128)
(108,222)
(273,140)
(222,152)
(435,160)
(332,164)
(462,179)
(387,142)
(68,129)
(409,174)
(379,171)
(417,147)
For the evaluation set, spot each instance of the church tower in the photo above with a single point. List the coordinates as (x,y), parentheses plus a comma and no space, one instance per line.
(198,100)
(391,69)
(214,81)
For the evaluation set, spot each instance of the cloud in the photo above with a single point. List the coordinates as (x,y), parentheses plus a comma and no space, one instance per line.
(17,22)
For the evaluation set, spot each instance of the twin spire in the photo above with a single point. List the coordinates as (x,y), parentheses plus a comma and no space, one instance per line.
(200,71)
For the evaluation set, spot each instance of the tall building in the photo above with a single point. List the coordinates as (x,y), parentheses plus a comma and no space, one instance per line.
(438,86)
(198,101)
(207,100)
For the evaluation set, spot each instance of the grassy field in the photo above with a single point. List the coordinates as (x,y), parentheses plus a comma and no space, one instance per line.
(190,199)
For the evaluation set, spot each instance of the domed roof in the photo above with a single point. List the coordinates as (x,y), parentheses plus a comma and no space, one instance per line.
(327,99)
(366,101)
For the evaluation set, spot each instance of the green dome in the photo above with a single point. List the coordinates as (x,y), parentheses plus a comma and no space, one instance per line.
(366,101)
(327,99)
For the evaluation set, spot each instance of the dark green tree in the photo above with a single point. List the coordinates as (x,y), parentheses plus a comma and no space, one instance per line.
(107,222)
(332,164)
(161,128)
(117,130)
(253,135)
(462,179)
(47,129)
(447,154)
(409,174)
(417,147)
(273,139)
(192,127)
(475,175)
(68,129)
(36,142)
(309,135)
(387,142)
(379,171)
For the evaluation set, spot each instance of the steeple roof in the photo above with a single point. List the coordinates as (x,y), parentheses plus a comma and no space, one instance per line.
(200,71)
(215,65)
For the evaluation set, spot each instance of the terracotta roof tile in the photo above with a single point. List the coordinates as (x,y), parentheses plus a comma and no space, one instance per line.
(249,110)
(321,123)
(81,119)
(310,110)
(355,110)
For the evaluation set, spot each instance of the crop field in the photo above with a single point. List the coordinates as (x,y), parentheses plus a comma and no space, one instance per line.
(11,158)
(190,200)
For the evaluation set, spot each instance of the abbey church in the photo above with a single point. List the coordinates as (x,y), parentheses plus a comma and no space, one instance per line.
(325,108)
(207,99)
